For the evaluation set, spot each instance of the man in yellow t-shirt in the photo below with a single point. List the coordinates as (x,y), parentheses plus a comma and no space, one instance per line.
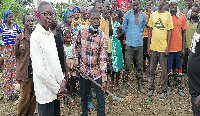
(160,26)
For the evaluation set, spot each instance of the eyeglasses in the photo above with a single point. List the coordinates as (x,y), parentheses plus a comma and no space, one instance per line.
(49,14)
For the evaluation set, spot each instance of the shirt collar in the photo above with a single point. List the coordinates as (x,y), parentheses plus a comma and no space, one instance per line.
(23,35)
(196,20)
(42,30)
(95,35)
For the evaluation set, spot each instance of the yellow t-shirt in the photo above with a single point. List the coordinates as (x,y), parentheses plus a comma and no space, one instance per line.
(104,26)
(161,23)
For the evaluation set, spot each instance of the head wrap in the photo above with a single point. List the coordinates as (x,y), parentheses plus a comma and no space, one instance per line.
(65,14)
(75,8)
(6,13)
(36,16)
(176,1)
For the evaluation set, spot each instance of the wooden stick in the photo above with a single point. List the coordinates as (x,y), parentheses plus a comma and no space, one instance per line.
(93,81)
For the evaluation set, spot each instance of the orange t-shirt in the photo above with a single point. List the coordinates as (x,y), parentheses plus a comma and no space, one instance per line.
(179,23)
(146,29)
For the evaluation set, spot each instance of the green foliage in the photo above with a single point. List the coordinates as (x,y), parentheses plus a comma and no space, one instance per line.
(18,8)
(182,5)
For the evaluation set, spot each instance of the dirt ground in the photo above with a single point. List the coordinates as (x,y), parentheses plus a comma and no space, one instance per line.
(133,104)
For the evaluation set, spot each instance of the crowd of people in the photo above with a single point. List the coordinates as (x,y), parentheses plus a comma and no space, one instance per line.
(102,42)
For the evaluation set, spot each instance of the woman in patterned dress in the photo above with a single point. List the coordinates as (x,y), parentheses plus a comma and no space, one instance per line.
(76,21)
(117,56)
(9,31)
(67,18)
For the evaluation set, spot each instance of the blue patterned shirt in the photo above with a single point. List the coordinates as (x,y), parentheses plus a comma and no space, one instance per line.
(9,35)
(132,31)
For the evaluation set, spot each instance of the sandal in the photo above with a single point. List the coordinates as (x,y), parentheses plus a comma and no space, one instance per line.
(62,105)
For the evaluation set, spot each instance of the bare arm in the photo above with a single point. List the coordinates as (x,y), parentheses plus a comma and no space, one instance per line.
(119,36)
(169,33)
(110,27)
(184,40)
(149,40)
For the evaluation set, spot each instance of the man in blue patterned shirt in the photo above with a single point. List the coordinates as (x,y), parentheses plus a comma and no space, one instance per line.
(133,27)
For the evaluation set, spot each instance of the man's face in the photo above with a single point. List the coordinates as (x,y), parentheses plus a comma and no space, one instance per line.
(82,11)
(45,16)
(114,2)
(148,5)
(99,7)
(160,4)
(95,20)
(107,8)
(86,14)
(195,12)
(28,24)
(173,7)
(10,18)
(189,2)
(54,19)
(136,6)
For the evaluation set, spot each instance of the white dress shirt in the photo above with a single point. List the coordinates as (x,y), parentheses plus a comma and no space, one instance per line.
(47,71)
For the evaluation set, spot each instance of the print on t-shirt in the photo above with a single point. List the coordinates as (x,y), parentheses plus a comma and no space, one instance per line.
(159,24)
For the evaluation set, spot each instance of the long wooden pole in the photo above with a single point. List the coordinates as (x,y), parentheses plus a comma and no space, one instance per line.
(109,93)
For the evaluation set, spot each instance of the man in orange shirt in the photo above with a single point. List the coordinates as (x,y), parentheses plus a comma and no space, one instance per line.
(147,12)
(177,44)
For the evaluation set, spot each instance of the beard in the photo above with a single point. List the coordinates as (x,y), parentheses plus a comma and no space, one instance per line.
(54,25)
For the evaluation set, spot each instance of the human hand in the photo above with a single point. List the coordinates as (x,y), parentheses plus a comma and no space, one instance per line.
(104,87)
(149,51)
(61,92)
(197,102)
(167,51)
(182,52)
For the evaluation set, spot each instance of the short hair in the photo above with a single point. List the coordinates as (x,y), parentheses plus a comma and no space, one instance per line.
(24,17)
(106,2)
(196,5)
(66,32)
(93,10)
(41,5)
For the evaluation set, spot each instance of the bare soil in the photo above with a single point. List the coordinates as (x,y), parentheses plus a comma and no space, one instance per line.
(133,104)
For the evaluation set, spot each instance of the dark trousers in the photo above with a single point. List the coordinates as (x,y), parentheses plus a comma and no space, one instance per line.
(49,109)
(178,60)
(27,102)
(195,110)
(185,60)
(84,88)
(162,59)
(134,52)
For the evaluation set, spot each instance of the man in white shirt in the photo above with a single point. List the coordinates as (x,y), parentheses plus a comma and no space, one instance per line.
(48,77)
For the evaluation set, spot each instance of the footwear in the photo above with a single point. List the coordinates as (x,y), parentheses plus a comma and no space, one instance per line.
(169,90)
(150,93)
(90,105)
(62,105)
(170,72)
(163,95)
(141,89)
(139,82)
(124,88)
(145,79)
(181,93)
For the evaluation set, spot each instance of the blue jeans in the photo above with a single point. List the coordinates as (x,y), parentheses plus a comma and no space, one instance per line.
(49,109)
(195,110)
(84,88)
(178,59)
